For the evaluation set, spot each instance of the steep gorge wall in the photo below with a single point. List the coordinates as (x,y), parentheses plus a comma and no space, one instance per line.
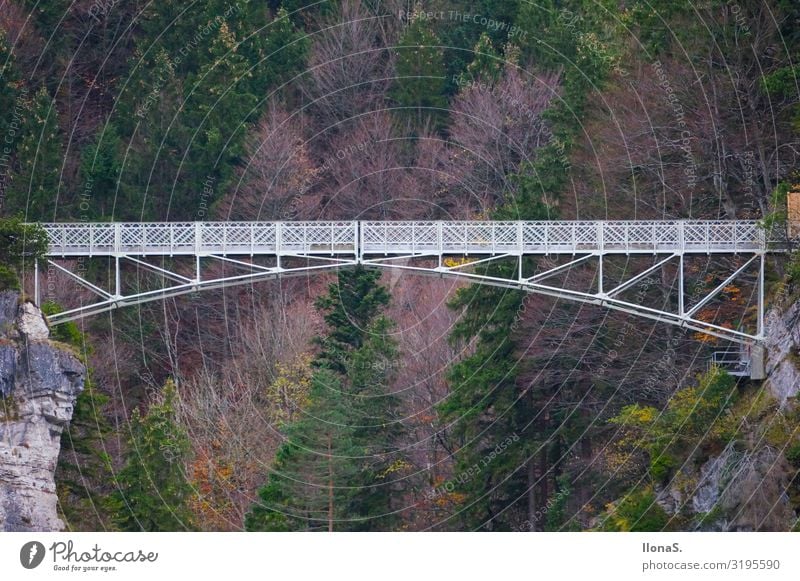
(39,383)
(782,331)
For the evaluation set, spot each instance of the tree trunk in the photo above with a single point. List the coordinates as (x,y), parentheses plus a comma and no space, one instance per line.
(532,492)
(330,487)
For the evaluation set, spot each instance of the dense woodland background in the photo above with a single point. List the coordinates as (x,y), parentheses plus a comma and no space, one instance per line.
(361,402)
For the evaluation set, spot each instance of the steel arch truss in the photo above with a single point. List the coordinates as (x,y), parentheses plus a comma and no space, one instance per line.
(683,316)
(116,298)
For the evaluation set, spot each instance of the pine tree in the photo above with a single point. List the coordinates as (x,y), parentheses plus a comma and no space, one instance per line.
(421,81)
(309,484)
(146,116)
(487,64)
(35,185)
(348,308)
(339,466)
(100,169)
(20,246)
(378,429)
(282,52)
(9,91)
(152,488)
(194,94)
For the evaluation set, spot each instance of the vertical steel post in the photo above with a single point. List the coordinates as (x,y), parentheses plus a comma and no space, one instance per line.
(681,306)
(760,332)
(439,242)
(600,273)
(278,243)
(36,281)
(357,241)
(520,248)
(117,285)
(600,244)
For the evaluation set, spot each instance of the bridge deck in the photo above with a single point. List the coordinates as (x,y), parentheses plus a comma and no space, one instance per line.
(433,238)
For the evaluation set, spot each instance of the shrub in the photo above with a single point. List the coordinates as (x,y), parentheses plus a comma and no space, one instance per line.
(65,332)
(8,279)
(638,511)
(793,455)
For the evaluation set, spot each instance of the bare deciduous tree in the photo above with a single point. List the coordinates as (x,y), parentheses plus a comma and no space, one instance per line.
(363,175)
(278,171)
(350,68)
(497,127)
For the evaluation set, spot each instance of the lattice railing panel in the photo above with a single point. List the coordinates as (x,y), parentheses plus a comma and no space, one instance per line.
(407,237)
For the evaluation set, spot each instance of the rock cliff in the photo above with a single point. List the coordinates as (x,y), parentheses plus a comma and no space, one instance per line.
(39,382)
(782,332)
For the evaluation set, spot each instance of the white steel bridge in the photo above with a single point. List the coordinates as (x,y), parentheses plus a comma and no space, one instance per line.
(400,245)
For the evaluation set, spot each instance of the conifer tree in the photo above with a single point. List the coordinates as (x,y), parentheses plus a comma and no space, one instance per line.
(420,87)
(8,95)
(487,64)
(338,468)
(152,488)
(310,482)
(100,169)
(34,187)
(348,308)
(378,429)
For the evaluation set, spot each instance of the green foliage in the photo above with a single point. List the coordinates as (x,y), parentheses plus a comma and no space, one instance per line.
(152,488)
(284,50)
(459,30)
(638,511)
(68,332)
(793,455)
(192,96)
(337,469)
(83,463)
(9,93)
(35,184)
(779,215)
(21,243)
(348,308)
(487,64)
(308,487)
(8,279)
(421,76)
(47,15)
(303,12)
(378,431)
(100,170)
(695,417)
(556,512)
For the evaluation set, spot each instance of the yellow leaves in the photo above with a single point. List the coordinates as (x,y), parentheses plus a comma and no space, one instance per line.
(705,338)
(636,415)
(645,415)
(396,466)
(227,37)
(453,262)
(215,488)
(289,392)
(450,498)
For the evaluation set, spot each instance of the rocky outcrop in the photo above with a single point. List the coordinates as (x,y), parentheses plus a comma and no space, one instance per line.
(39,382)
(782,333)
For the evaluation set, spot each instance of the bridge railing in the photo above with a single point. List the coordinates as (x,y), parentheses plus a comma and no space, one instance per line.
(561,236)
(421,237)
